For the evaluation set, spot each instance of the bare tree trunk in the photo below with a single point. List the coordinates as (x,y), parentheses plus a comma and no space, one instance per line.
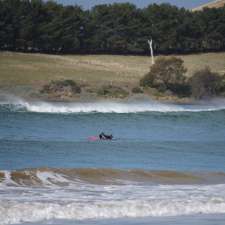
(151,51)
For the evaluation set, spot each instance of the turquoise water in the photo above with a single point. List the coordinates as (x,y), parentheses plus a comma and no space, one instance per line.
(145,140)
(151,141)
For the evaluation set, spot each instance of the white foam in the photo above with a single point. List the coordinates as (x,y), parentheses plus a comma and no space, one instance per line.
(17,212)
(116,107)
(7,181)
(49,178)
(109,202)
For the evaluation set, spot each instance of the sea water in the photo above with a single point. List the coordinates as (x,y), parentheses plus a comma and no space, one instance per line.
(166,164)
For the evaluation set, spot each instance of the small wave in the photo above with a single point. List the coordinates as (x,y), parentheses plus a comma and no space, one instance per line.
(78,194)
(67,177)
(19,105)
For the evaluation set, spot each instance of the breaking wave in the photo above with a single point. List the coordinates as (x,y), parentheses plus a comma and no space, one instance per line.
(109,107)
(78,194)
(68,177)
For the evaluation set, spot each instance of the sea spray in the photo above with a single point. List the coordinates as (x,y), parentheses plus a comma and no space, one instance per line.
(16,104)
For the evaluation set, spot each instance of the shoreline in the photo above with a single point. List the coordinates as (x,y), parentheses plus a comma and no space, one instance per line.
(125,106)
(92,99)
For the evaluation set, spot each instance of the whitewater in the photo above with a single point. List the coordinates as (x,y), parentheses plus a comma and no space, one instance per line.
(165,165)
(45,194)
(129,106)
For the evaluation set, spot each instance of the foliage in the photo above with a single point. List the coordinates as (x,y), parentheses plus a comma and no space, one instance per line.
(112,91)
(205,83)
(137,90)
(120,28)
(68,87)
(167,74)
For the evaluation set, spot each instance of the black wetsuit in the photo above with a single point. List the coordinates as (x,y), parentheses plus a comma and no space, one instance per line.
(103,136)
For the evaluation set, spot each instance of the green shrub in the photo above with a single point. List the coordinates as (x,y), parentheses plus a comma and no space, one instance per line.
(205,83)
(137,90)
(167,74)
(112,91)
(221,88)
(61,86)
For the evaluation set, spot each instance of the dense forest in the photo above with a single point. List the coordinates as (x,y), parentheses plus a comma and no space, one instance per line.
(38,26)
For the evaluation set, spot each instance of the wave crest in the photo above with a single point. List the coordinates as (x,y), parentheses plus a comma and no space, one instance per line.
(67,177)
(78,194)
(108,107)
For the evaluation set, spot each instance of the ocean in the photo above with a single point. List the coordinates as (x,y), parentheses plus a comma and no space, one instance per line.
(165,165)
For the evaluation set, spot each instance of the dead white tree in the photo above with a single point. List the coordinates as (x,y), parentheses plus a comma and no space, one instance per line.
(151,51)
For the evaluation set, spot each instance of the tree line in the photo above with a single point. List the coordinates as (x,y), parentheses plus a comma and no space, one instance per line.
(120,28)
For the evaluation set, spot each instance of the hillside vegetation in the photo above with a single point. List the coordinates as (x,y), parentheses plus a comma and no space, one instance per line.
(120,28)
(167,77)
(24,74)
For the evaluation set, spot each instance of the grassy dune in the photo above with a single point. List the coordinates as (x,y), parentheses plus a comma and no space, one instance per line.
(27,72)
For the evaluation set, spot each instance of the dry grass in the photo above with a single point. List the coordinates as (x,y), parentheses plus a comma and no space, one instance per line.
(34,70)
(213,4)
(216,61)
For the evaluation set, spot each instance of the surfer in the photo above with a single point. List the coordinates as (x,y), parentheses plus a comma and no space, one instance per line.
(103,136)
